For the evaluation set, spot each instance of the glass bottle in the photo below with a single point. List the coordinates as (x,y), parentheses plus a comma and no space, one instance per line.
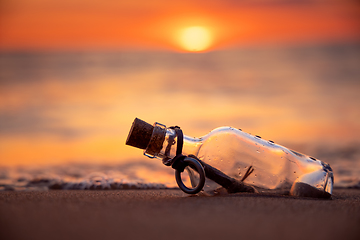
(234,153)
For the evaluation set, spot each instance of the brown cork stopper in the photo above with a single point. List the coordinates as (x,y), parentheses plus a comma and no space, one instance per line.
(140,134)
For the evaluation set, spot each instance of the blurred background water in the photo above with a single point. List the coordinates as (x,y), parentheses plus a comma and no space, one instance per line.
(68,94)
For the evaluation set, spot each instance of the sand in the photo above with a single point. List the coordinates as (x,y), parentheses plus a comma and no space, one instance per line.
(171,214)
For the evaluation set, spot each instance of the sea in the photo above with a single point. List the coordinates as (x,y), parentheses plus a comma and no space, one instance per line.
(65,115)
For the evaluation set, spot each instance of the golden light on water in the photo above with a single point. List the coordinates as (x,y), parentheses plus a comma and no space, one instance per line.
(195,38)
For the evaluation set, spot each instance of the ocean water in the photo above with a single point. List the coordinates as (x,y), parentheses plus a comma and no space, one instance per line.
(82,176)
(142,173)
(64,116)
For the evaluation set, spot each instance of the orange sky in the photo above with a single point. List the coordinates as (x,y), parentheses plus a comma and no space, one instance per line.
(90,24)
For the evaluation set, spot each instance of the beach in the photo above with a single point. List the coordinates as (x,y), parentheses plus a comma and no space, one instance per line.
(172,214)
(266,94)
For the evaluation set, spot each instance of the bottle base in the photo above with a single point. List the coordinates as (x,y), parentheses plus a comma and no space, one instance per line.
(300,189)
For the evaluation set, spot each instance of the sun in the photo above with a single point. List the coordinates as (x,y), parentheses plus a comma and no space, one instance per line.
(195,38)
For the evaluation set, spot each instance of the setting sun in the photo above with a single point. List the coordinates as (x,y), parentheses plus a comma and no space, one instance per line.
(195,39)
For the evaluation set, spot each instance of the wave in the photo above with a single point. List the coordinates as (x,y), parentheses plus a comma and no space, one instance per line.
(129,175)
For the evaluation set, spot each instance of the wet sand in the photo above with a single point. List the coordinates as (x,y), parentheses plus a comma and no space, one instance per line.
(171,214)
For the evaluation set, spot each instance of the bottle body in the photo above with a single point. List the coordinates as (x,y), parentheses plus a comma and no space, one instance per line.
(233,152)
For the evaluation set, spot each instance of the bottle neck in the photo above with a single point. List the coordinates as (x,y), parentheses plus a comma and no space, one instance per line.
(190,146)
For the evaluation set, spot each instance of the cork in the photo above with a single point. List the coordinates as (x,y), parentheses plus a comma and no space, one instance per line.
(140,134)
(157,140)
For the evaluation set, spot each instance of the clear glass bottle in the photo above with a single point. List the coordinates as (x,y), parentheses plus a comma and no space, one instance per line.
(233,152)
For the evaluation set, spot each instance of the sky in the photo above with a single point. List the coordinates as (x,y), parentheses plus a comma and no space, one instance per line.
(140,24)
(74,74)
